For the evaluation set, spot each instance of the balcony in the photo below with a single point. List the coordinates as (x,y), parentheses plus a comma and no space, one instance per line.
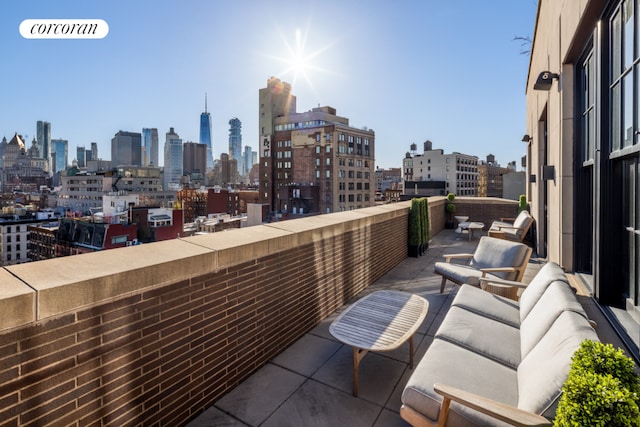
(230,329)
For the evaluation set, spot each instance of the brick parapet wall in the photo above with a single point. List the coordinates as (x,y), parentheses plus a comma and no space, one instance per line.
(164,331)
(154,334)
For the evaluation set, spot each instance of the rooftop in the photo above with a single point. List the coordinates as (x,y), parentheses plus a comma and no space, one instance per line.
(310,383)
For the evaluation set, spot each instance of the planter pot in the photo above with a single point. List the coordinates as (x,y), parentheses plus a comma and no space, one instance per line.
(414,251)
(449,225)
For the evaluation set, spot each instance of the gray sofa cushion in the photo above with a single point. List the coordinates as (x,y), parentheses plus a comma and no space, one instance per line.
(549,272)
(451,364)
(492,252)
(495,340)
(487,304)
(558,298)
(544,370)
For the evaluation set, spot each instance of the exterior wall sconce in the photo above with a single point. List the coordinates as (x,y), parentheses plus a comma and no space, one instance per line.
(526,138)
(548,172)
(545,80)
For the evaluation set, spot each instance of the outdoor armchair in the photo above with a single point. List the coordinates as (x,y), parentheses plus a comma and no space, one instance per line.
(493,257)
(514,229)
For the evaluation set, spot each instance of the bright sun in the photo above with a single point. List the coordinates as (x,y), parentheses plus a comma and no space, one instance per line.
(299,61)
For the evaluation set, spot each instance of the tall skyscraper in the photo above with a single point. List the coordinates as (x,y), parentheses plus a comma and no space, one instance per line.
(173,160)
(150,147)
(235,142)
(43,136)
(247,159)
(205,134)
(94,151)
(81,156)
(125,149)
(194,158)
(59,155)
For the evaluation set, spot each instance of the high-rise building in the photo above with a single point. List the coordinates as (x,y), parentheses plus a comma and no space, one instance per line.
(235,142)
(311,162)
(150,147)
(205,134)
(173,161)
(43,136)
(125,149)
(59,155)
(94,151)
(81,156)
(247,160)
(194,159)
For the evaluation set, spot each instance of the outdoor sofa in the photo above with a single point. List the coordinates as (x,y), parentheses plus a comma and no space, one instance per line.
(497,359)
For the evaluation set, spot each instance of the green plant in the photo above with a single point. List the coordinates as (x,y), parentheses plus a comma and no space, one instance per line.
(415,226)
(425,221)
(602,388)
(522,203)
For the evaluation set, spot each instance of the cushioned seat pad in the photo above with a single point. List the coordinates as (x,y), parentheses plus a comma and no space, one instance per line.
(480,334)
(487,304)
(458,367)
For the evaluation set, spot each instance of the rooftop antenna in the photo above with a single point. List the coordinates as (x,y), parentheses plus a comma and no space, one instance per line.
(205,102)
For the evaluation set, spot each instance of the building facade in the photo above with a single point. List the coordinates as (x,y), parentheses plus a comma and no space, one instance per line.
(205,134)
(583,148)
(126,149)
(173,161)
(59,155)
(43,136)
(247,160)
(458,171)
(235,142)
(150,147)
(194,159)
(312,162)
(490,177)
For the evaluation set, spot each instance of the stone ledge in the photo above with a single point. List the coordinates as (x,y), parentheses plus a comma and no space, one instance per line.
(39,290)
(17,301)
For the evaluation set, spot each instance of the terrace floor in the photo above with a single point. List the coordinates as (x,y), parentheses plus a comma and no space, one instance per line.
(310,383)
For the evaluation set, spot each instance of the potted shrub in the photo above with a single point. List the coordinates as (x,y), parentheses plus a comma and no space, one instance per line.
(601,389)
(522,203)
(424,203)
(415,228)
(450,208)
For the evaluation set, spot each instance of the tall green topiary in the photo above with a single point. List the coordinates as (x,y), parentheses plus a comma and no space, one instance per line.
(522,203)
(602,389)
(425,221)
(415,226)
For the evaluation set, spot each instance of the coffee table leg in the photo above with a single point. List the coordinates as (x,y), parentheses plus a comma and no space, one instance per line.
(411,352)
(358,355)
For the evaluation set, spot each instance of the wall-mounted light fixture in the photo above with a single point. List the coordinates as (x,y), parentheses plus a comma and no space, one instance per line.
(526,138)
(545,80)
(548,172)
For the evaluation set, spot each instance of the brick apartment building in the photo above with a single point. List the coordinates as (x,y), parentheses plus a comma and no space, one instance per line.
(312,162)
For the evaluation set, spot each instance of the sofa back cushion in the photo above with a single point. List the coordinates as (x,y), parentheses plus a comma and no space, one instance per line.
(492,252)
(543,371)
(523,221)
(558,298)
(549,273)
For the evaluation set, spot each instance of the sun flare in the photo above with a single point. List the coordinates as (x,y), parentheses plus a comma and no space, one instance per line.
(299,61)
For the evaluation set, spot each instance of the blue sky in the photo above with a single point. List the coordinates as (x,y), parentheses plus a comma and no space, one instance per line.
(415,70)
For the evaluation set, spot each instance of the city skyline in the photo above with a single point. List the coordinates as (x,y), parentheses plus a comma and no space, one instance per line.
(410,71)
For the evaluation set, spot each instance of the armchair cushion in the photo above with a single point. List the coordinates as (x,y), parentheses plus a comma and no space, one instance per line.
(499,253)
